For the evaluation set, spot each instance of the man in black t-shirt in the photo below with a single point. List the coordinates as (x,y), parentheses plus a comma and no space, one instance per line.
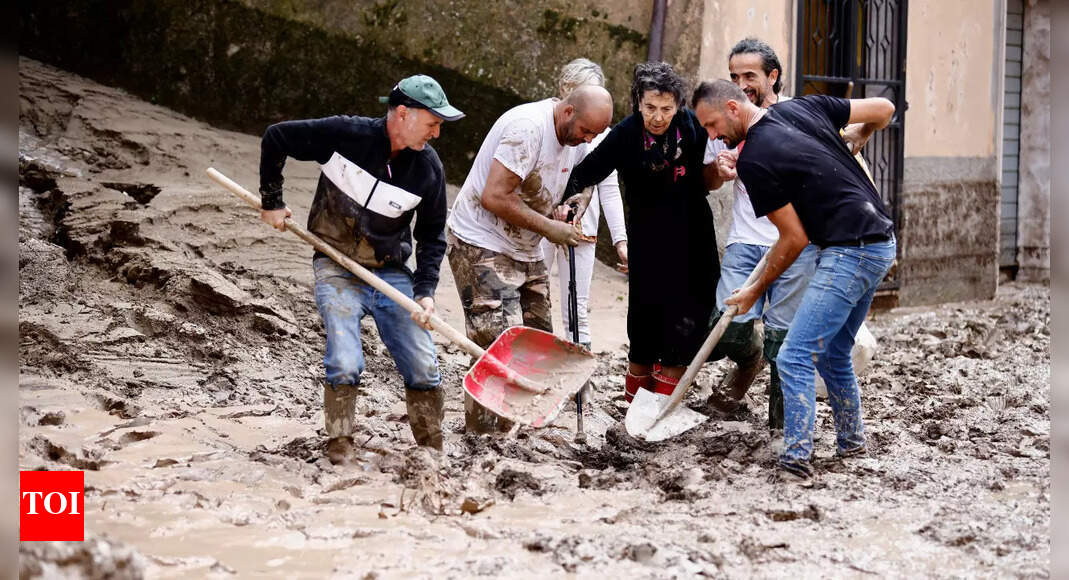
(801,173)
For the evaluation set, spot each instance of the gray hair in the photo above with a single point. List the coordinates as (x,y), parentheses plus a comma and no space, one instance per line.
(577,73)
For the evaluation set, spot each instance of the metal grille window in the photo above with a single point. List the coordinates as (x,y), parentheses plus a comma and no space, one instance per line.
(858,48)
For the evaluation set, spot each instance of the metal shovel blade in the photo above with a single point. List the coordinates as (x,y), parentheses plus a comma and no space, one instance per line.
(559,368)
(641,419)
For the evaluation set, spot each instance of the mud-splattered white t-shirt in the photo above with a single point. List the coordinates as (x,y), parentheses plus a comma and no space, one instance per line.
(524,140)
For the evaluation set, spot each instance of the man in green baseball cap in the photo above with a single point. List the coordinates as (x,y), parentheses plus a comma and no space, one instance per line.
(423,92)
(378,175)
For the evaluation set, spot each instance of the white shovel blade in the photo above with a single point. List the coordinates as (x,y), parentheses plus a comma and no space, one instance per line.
(641,420)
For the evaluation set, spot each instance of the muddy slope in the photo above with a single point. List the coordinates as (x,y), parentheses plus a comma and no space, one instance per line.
(169,347)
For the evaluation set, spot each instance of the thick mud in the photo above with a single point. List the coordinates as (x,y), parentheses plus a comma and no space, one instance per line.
(169,347)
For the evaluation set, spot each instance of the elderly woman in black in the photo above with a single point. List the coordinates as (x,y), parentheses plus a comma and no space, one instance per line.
(658,152)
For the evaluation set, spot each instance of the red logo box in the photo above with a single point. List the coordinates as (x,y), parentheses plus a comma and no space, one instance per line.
(51,506)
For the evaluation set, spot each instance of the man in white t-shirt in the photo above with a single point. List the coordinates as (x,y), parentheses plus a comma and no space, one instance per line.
(756,69)
(504,210)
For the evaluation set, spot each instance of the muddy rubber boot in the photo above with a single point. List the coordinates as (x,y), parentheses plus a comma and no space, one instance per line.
(339,408)
(742,344)
(632,383)
(773,341)
(479,419)
(426,409)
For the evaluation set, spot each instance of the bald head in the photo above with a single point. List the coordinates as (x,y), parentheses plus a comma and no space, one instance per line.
(592,102)
(583,114)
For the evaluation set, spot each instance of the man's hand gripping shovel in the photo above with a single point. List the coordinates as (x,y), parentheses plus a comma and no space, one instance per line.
(526,376)
(656,417)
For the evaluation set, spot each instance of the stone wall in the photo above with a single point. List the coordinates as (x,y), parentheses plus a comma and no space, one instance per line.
(1033,209)
(245,64)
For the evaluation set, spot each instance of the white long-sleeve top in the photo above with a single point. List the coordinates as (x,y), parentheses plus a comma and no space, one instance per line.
(606,197)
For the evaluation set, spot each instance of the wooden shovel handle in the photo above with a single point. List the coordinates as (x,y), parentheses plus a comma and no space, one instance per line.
(361,272)
(707,348)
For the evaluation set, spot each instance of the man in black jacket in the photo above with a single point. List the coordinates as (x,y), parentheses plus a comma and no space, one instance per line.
(376,173)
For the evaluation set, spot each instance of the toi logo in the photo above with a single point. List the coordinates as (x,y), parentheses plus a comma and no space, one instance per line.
(51,505)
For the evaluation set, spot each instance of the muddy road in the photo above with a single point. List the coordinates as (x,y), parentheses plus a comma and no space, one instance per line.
(169,347)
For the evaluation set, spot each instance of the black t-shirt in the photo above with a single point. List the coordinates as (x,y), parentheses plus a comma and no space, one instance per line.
(796,155)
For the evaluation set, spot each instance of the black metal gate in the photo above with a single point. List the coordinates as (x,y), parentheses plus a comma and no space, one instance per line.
(858,48)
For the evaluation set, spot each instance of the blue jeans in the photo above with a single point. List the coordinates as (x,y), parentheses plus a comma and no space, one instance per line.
(343,300)
(820,340)
(779,303)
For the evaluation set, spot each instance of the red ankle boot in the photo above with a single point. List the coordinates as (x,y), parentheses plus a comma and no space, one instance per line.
(663,385)
(632,383)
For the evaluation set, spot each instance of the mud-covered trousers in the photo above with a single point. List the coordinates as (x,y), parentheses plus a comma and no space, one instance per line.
(820,340)
(343,300)
(497,292)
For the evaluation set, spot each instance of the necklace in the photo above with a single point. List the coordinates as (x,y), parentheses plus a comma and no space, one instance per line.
(757,117)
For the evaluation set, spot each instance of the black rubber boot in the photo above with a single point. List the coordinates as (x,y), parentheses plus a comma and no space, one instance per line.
(426,409)
(773,341)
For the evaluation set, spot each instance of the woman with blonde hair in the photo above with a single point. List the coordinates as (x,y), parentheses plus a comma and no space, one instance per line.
(577,73)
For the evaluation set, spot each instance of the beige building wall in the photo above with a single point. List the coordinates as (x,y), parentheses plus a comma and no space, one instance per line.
(948,236)
(953,78)
(725,23)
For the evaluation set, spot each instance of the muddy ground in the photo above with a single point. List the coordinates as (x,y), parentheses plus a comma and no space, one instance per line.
(169,347)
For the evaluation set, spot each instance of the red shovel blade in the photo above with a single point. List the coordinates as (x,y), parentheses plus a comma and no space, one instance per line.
(561,368)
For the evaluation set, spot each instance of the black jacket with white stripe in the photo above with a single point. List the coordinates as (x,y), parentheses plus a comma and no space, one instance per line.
(365,201)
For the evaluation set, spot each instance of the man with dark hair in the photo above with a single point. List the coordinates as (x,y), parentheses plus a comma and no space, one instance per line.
(755,68)
(376,175)
(504,210)
(801,172)
(766,60)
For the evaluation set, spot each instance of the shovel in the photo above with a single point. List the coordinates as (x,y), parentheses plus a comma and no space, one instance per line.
(656,417)
(526,376)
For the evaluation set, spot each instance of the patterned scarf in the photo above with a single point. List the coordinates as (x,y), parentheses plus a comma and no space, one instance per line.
(656,156)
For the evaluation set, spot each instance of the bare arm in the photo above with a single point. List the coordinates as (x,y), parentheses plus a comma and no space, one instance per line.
(792,240)
(874,111)
(499,198)
(866,117)
(712,177)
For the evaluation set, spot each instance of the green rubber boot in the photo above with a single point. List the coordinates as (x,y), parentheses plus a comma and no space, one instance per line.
(742,344)
(773,341)
(479,419)
(339,409)
(426,409)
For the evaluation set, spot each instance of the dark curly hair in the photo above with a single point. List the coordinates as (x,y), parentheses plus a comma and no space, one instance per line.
(769,60)
(660,77)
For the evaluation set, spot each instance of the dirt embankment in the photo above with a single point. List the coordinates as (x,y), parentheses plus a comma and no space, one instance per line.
(171,349)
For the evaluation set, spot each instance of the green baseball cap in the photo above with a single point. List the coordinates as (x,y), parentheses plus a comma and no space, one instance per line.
(423,92)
